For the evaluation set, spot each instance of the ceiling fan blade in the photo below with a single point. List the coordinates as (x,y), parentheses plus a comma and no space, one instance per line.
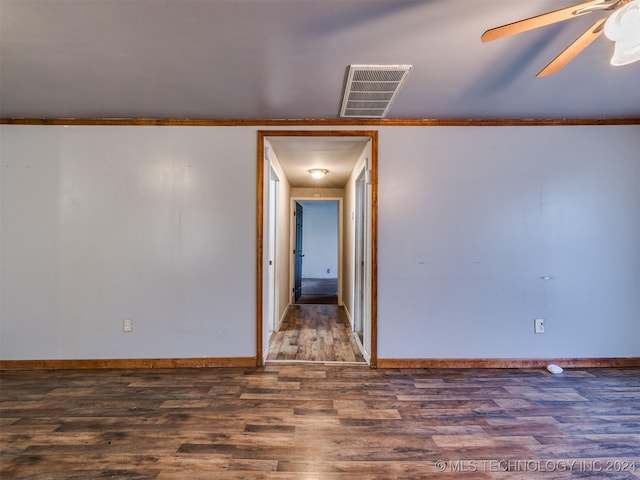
(569,53)
(538,21)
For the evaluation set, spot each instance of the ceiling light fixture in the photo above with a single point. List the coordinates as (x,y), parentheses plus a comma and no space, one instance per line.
(318,173)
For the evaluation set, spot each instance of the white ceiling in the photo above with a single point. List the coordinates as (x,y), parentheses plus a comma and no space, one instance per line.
(297,155)
(287,59)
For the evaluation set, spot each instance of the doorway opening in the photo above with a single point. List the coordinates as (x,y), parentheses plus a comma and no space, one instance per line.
(297,286)
(316,246)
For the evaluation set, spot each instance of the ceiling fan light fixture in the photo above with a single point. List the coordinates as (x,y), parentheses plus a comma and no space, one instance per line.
(623,27)
(318,173)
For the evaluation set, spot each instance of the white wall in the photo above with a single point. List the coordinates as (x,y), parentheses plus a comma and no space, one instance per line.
(320,239)
(157,224)
(472,219)
(317,192)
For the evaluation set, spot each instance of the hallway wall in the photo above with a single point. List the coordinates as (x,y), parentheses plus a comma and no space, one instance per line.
(281,262)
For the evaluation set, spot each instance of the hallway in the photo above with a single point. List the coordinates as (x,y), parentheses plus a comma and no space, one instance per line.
(315,333)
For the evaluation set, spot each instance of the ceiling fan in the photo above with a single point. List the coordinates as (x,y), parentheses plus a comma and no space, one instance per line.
(622,26)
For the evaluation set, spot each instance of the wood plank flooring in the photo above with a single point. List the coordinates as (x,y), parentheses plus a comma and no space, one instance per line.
(315,421)
(315,333)
(319,291)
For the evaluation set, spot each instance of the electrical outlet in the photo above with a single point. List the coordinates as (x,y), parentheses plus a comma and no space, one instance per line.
(538,325)
(127,326)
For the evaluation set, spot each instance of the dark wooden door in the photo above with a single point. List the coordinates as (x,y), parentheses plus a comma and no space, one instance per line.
(297,289)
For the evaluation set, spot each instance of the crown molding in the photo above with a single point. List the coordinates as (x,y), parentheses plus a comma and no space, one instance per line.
(185,122)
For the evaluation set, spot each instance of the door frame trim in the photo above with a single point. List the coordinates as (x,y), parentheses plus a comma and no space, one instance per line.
(260,230)
(273,305)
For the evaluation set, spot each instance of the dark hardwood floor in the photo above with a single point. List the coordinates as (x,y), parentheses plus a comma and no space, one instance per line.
(317,291)
(315,333)
(315,421)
